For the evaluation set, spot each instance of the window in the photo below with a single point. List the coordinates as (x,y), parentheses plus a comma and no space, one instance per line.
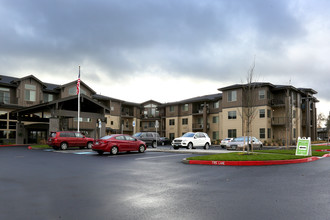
(215,135)
(232,96)
(184,107)
(185,121)
(4,95)
(262,132)
(112,108)
(269,133)
(294,114)
(269,113)
(232,115)
(171,136)
(172,122)
(294,133)
(232,133)
(48,97)
(122,138)
(262,94)
(73,91)
(262,113)
(30,93)
(216,104)
(171,108)
(215,119)
(112,123)
(128,138)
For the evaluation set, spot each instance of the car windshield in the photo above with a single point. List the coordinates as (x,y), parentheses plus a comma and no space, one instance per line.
(53,134)
(188,135)
(240,139)
(107,137)
(137,134)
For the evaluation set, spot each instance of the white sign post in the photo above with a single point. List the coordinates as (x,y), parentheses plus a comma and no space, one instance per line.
(100,126)
(156,126)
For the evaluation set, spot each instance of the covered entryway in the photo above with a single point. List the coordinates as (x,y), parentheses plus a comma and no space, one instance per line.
(36,122)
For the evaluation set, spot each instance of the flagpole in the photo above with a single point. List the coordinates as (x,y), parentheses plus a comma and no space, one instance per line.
(78,88)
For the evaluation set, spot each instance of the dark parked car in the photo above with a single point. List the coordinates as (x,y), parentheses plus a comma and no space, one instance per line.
(165,141)
(118,143)
(64,139)
(150,138)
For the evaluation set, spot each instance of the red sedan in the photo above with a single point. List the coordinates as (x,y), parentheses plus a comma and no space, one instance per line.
(118,143)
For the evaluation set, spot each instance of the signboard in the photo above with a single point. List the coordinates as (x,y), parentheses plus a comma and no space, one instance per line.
(133,123)
(304,147)
(157,124)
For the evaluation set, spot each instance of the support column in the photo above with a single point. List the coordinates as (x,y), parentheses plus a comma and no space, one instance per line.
(20,133)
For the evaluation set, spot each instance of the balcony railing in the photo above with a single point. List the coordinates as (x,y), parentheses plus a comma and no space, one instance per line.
(278,121)
(278,102)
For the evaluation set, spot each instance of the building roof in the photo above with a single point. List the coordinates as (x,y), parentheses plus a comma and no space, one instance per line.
(205,98)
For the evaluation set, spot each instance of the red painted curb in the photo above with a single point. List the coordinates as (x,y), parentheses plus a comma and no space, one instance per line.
(253,163)
(323,150)
(13,145)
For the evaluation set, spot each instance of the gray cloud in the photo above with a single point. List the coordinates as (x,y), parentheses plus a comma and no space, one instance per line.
(202,39)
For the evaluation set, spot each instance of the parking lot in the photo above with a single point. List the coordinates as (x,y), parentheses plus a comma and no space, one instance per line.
(79,184)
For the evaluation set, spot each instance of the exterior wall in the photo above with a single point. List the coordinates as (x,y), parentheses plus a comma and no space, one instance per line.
(21,92)
(184,128)
(258,123)
(172,128)
(66,88)
(231,123)
(214,127)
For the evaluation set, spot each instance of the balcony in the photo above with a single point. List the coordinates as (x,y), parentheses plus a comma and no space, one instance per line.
(278,121)
(128,128)
(278,102)
(199,127)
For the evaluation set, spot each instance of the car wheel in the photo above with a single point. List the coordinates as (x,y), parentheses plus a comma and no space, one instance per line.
(64,146)
(142,149)
(89,145)
(100,152)
(154,144)
(207,146)
(114,150)
(190,146)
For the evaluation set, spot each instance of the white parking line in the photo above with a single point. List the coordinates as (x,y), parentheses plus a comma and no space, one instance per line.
(147,158)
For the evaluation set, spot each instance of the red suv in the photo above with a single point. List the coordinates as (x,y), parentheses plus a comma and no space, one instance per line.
(65,139)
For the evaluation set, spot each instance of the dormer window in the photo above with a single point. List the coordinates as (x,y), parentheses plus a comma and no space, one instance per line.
(4,95)
(30,93)
(232,96)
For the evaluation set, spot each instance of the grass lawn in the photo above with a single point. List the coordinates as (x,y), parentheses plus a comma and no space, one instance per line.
(43,146)
(260,155)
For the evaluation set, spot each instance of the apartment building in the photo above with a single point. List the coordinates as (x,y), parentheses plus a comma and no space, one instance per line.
(30,109)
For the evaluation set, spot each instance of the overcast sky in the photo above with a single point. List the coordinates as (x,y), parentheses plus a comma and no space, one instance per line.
(168,50)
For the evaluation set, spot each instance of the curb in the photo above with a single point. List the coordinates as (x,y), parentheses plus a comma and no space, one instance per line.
(253,163)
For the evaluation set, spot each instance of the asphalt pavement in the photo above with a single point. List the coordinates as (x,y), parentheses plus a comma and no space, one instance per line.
(79,184)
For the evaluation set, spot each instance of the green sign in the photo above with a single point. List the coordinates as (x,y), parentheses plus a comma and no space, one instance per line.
(303,147)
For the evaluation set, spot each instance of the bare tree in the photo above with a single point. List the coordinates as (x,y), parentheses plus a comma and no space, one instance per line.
(249,105)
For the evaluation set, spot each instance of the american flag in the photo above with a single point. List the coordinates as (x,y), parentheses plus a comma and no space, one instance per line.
(78,84)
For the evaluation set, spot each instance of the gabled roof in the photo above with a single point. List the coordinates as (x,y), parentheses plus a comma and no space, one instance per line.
(205,98)
(29,77)
(81,83)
